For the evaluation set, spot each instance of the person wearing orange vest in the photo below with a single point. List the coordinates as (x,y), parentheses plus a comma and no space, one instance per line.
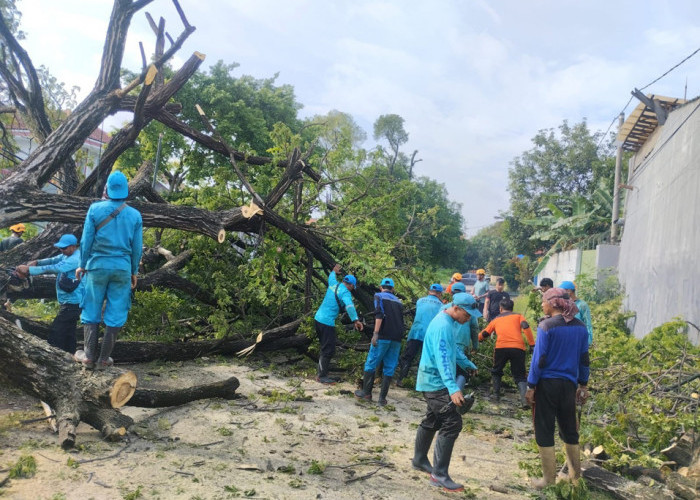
(510,346)
(456,277)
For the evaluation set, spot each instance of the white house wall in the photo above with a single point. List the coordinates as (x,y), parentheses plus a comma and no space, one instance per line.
(659,264)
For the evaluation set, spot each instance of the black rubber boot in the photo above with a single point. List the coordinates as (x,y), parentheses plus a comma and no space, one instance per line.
(522,389)
(424,438)
(403,373)
(441,463)
(108,341)
(367,384)
(324,365)
(386,382)
(496,381)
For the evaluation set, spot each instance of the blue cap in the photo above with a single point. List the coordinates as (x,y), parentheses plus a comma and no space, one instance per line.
(567,285)
(66,240)
(458,287)
(350,279)
(387,282)
(117,186)
(436,287)
(467,302)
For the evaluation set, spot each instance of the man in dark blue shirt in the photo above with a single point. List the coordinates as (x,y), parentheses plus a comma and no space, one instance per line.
(386,341)
(560,361)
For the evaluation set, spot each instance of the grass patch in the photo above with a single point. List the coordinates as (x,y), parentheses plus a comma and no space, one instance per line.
(25,468)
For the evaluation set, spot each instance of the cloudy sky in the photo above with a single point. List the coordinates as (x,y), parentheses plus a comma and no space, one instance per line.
(474,79)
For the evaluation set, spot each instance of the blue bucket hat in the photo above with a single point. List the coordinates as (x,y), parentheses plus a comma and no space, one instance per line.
(458,287)
(350,279)
(117,186)
(66,240)
(387,282)
(567,285)
(467,302)
(437,287)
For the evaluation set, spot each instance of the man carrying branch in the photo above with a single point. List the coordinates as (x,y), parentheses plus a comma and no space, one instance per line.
(337,299)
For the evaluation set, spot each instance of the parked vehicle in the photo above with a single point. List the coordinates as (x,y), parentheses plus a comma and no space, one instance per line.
(468,279)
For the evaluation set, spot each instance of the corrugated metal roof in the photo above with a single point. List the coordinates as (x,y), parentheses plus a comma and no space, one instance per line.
(642,122)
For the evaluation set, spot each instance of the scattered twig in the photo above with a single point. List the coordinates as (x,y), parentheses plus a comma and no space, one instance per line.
(87,461)
(182,473)
(38,419)
(209,444)
(47,458)
(361,478)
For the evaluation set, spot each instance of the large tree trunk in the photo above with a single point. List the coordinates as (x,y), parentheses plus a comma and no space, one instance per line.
(75,395)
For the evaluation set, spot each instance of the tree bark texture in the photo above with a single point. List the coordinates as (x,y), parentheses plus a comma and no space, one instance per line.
(621,488)
(52,376)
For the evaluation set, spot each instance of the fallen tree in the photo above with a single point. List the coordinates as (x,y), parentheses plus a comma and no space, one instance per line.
(22,199)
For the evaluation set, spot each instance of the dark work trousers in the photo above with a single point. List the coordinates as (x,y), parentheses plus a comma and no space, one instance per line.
(327,338)
(461,371)
(413,347)
(555,398)
(441,415)
(63,327)
(517,363)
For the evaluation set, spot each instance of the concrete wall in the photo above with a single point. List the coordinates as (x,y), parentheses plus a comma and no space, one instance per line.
(659,264)
(588,258)
(562,266)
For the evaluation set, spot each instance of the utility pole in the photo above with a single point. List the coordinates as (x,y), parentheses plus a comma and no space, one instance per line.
(616,186)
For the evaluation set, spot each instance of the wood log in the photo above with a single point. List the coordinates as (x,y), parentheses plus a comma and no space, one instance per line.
(155,398)
(36,328)
(80,396)
(274,339)
(621,488)
(682,450)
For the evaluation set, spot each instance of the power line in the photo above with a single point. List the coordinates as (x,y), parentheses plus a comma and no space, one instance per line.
(642,88)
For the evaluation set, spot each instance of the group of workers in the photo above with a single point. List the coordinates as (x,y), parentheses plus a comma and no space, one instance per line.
(94,279)
(444,332)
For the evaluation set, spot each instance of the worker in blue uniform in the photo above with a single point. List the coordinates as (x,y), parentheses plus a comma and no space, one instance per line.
(466,335)
(386,341)
(426,309)
(110,253)
(68,293)
(436,379)
(337,297)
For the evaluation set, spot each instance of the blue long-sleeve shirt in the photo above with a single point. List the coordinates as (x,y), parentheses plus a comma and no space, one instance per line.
(439,357)
(466,334)
(329,309)
(118,244)
(561,351)
(426,309)
(57,265)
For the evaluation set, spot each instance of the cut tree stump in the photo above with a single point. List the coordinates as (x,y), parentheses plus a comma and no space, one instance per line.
(155,398)
(74,393)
